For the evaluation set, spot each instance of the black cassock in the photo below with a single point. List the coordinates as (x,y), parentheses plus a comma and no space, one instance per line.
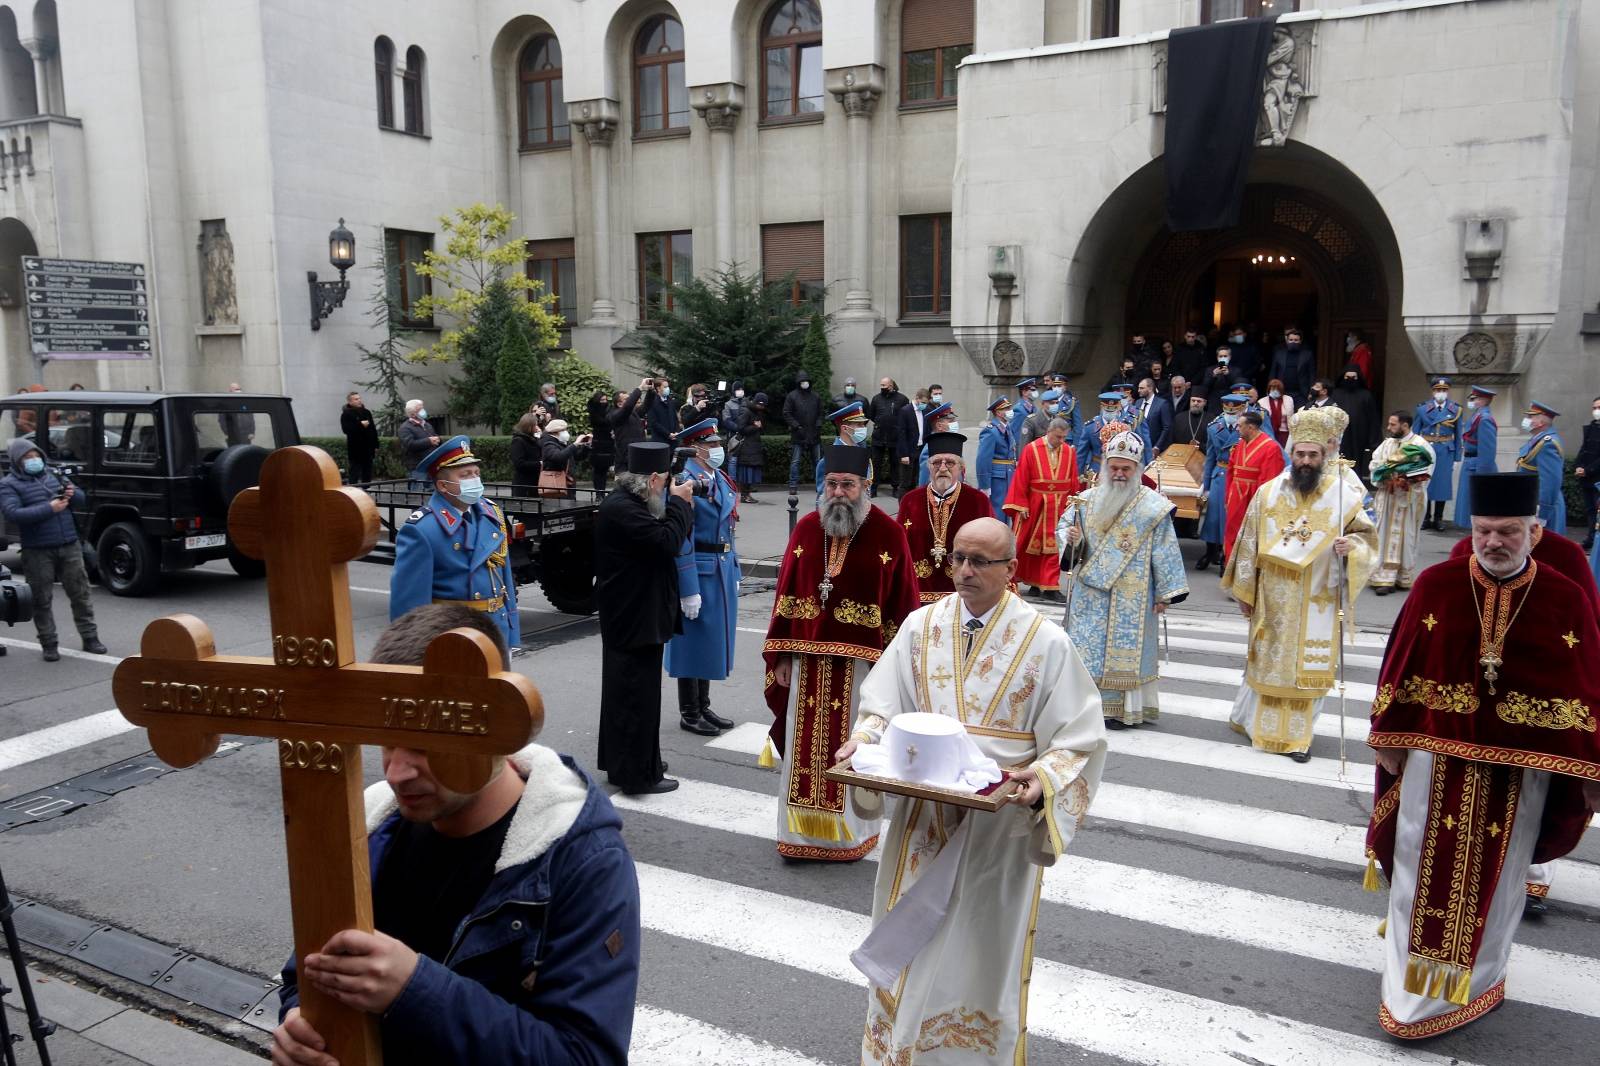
(636,588)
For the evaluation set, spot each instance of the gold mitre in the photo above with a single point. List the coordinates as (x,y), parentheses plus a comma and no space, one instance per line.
(1125,445)
(1318,425)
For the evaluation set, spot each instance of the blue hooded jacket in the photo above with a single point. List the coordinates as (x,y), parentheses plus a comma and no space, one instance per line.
(25,502)
(546,967)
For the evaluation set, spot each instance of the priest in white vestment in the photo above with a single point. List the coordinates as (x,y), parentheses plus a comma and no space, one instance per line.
(1304,551)
(983,656)
(1402,466)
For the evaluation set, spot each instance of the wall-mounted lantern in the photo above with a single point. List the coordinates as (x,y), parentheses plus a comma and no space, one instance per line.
(326,295)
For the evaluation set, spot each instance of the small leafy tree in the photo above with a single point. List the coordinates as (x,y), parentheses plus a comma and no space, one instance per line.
(815,358)
(517,374)
(728,326)
(576,380)
(387,360)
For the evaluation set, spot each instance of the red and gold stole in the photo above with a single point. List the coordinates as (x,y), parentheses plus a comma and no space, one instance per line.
(823,709)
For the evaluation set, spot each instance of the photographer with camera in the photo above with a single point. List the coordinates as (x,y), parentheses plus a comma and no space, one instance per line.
(36,501)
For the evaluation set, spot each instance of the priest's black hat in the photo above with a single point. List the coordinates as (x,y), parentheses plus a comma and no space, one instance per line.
(945,443)
(649,457)
(1511,495)
(846,459)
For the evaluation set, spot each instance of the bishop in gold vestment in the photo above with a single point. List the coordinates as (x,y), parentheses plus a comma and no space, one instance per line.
(1305,549)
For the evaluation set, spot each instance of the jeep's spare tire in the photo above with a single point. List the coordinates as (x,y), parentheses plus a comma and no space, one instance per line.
(235,469)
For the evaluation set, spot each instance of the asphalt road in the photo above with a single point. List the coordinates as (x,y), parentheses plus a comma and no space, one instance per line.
(1211,909)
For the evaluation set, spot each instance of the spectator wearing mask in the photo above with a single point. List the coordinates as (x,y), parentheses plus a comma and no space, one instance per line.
(848,396)
(417,436)
(1246,356)
(1218,379)
(1321,393)
(694,408)
(882,411)
(747,444)
(912,431)
(1178,396)
(1127,375)
(732,412)
(1140,352)
(1366,428)
(660,417)
(1158,378)
(1588,470)
(1278,407)
(559,451)
(1295,365)
(626,419)
(602,450)
(1153,413)
(360,438)
(527,455)
(1190,358)
(802,409)
(38,504)
(547,400)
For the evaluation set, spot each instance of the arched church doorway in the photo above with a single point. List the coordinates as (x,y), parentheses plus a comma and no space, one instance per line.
(17,364)
(1295,259)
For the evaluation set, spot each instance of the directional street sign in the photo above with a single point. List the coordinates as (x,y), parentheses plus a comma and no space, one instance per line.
(87,309)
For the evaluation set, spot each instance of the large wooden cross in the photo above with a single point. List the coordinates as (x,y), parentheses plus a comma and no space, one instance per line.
(461,706)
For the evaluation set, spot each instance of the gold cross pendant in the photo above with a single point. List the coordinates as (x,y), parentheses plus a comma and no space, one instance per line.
(825,588)
(1491,673)
(938,554)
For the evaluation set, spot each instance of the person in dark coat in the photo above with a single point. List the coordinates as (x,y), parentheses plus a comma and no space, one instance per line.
(1365,429)
(417,435)
(38,503)
(1189,359)
(802,409)
(360,438)
(1246,356)
(882,409)
(659,414)
(527,455)
(1295,365)
(1588,469)
(626,420)
(1189,424)
(638,532)
(908,442)
(601,448)
(752,423)
(547,400)
(559,452)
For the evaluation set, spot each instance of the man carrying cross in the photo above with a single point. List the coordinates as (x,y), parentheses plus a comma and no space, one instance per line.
(507,918)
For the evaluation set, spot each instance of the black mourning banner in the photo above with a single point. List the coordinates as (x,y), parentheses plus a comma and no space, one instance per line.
(1214,76)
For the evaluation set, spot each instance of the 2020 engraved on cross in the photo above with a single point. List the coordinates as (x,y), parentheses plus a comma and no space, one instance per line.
(461,706)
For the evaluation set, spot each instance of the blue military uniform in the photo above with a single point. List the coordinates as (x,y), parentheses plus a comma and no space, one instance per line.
(997,457)
(708,567)
(1480,436)
(1542,455)
(448,554)
(938,411)
(1440,425)
(1220,439)
(853,411)
(1022,408)
(1089,446)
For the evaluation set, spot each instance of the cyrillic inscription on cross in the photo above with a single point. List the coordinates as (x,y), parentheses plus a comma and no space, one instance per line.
(461,706)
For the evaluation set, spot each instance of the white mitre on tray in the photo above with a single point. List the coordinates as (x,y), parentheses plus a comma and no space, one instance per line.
(928,749)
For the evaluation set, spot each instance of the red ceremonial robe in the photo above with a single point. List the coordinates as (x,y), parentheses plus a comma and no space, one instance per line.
(1037,496)
(1254,463)
(1560,553)
(928,527)
(1538,711)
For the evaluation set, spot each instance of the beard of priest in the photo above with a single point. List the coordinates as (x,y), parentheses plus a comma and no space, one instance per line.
(845,585)
(933,514)
(1304,551)
(1491,669)
(1027,701)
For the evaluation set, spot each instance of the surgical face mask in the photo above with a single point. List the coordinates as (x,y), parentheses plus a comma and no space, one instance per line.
(1595,414)
(422,412)
(1350,381)
(1111,411)
(849,390)
(803,385)
(1275,394)
(550,398)
(1237,338)
(564,436)
(1441,396)
(936,397)
(922,405)
(1223,359)
(1527,425)
(666,391)
(715,457)
(952,427)
(1230,420)
(1052,408)
(33,465)
(1031,395)
(859,434)
(738,394)
(470,489)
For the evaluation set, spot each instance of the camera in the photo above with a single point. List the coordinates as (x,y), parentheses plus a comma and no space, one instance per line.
(680,476)
(16,600)
(65,473)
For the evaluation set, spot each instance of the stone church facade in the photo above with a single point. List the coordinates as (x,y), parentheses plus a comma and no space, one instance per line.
(977,186)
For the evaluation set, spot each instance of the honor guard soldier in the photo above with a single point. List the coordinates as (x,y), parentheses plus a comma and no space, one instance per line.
(854,430)
(1221,435)
(1542,456)
(453,549)
(1023,409)
(997,455)
(1112,409)
(708,584)
(1479,439)
(1067,404)
(1438,421)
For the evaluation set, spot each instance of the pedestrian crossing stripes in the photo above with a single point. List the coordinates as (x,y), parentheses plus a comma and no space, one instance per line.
(663,1038)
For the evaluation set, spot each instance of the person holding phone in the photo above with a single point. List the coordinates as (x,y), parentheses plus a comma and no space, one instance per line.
(37,502)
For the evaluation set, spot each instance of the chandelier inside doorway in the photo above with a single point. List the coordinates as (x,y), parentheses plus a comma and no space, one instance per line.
(1272,260)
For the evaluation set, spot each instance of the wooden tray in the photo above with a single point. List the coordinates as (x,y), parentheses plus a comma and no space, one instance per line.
(991,799)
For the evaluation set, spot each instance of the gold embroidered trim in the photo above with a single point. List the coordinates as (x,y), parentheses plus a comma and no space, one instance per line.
(924,570)
(1528,760)
(852,613)
(1435,696)
(1519,709)
(805,607)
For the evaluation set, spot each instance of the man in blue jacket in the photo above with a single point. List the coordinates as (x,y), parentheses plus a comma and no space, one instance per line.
(37,503)
(507,919)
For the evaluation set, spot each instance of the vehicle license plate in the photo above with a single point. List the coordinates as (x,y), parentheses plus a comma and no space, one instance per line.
(205,540)
(560,525)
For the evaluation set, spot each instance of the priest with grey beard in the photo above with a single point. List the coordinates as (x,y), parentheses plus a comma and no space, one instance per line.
(640,527)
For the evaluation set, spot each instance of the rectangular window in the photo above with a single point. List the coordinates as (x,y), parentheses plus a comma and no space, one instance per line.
(930,75)
(936,35)
(71,435)
(665,259)
(553,265)
(1104,19)
(402,251)
(794,248)
(131,437)
(925,266)
(17,423)
(411,88)
(215,430)
(1224,10)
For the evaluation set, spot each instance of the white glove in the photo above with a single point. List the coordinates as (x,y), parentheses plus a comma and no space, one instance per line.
(691,606)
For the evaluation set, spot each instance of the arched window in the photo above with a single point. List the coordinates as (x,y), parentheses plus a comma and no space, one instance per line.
(935,36)
(542,105)
(411,89)
(660,98)
(383,68)
(791,60)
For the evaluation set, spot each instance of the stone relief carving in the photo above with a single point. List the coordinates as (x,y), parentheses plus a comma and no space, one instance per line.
(1027,350)
(1476,351)
(1281,91)
(1485,351)
(219,301)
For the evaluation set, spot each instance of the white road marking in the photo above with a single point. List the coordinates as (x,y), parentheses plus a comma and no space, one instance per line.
(1256,919)
(1357,692)
(1219,647)
(748,738)
(66,653)
(1085,1009)
(1213,710)
(662,1038)
(53,740)
(1241,758)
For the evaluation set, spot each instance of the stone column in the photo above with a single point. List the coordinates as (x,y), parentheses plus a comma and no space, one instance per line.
(597,119)
(858,90)
(720,106)
(41,49)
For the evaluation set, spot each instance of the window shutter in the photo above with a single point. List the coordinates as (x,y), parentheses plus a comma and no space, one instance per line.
(792,247)
(557,249)
(936,24)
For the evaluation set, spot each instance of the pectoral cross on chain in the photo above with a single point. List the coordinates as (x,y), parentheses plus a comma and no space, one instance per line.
(825,588)
(1491,672)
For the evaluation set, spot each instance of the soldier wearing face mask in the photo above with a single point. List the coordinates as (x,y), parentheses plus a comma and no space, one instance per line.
(1439,423)
(454,549)
(854,432)
(1542,455)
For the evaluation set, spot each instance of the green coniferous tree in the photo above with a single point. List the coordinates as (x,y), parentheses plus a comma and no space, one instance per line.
(517,377)
(387,360)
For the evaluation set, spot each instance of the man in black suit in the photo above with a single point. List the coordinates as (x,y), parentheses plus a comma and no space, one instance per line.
(908,440)
(1295,365)
(1154,413)
(360,437)
(640,528)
